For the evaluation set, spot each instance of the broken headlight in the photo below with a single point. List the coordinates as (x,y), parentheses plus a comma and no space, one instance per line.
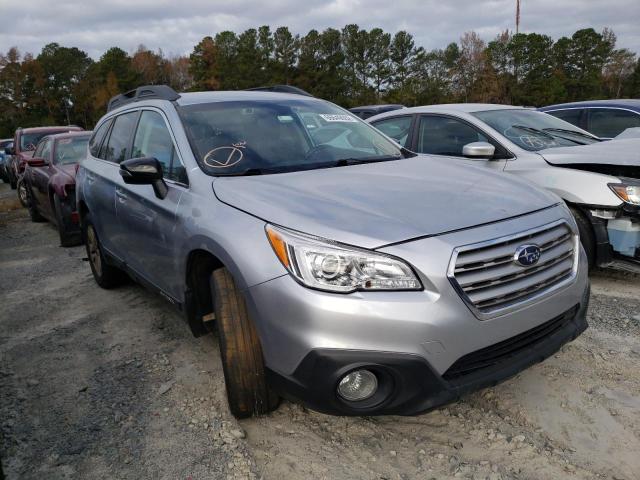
(629,193)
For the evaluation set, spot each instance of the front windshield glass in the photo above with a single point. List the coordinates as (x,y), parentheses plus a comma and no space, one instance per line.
(70,150)
(28,141)
(253,137)
(534,130)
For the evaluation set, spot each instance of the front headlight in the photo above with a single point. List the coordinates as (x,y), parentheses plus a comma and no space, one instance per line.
(321,264)
(628,193)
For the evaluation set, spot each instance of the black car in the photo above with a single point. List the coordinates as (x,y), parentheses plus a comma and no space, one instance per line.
(371,110)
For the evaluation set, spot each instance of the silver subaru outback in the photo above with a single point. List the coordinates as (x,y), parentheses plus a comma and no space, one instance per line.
(337,268)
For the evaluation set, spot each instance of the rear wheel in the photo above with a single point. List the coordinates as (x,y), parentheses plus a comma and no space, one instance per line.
(67,239)
(105,275)
(242,360)
(587,237)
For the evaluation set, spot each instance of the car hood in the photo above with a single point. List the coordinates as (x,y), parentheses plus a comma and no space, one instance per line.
(624,152)
(26,154)
(371,205)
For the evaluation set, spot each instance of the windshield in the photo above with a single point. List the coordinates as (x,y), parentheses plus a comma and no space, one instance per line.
(534,130)
(70,150)
(245,137)
(28,141)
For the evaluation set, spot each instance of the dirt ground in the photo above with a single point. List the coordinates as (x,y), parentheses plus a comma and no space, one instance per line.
(111,384)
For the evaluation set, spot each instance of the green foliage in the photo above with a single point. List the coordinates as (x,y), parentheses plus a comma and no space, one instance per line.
(350,67)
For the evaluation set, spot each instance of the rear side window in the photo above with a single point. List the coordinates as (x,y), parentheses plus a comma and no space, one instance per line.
(446,136)
(609,122)
(98,137)
(572,115)
(120,137)
(396,128)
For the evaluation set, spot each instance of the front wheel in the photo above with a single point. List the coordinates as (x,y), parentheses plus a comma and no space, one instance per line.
(587,237)
(242,361)
(23,195)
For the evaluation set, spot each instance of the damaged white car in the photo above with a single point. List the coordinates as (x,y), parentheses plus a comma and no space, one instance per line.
(599,181)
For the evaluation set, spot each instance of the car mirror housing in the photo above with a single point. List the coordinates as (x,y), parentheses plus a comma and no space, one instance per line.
(144,171)
(482,150)
(37,162)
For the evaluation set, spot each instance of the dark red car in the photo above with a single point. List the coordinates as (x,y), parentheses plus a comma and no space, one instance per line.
(50,182)
(24,143)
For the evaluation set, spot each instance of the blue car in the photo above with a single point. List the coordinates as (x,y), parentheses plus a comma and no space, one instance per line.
(604,118)
(6,143)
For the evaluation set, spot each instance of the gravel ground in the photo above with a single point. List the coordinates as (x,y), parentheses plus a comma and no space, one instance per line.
(111,384)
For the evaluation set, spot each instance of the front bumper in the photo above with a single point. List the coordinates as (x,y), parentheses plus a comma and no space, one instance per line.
(410,385)
(413,339)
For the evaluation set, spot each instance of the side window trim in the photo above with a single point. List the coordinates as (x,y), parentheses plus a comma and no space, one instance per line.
(107,137)
(508,154)
(108,122)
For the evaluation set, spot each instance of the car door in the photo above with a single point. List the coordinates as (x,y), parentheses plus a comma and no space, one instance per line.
(611,122)
(447,135)
(397,128)
(39,177)
(148,222)
(102,175)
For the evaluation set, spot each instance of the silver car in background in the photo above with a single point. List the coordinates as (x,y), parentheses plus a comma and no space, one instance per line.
(338,268)
(599,181)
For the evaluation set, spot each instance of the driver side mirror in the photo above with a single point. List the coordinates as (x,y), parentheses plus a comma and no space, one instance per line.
(37,162)
(478,150)
(144,171)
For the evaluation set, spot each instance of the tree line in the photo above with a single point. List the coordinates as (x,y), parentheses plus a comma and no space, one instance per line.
(352,66)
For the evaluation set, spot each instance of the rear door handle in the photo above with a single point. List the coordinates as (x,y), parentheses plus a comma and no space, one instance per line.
(122,197)
(91,177)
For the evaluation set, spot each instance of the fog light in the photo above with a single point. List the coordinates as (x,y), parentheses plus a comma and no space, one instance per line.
(358,385)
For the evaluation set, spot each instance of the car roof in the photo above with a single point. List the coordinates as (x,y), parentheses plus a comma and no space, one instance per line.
(53,129)
(446,108)
(194,98)
(631,103)
(377,107)
(61,136)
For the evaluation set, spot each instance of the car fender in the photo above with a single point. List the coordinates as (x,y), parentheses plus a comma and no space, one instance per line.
(574,186)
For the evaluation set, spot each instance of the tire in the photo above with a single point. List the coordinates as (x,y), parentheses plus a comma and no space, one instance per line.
(34,214)
(587,237)
(106,276)
(67,239)
(242,361)
(23,194)
(13,183)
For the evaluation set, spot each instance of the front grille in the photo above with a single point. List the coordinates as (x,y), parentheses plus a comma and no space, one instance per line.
(503,352)
(490,281)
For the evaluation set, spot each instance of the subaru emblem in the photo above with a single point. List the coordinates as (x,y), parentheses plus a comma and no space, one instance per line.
(527,255)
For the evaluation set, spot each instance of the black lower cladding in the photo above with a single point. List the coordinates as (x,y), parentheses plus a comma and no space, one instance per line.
(409,385)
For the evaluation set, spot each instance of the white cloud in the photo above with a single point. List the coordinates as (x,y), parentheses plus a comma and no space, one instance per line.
(176,26)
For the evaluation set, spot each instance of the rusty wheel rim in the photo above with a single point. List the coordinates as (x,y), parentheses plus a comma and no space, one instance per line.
(94,251)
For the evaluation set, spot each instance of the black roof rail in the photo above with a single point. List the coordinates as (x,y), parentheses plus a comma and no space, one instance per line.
(281,89)
(161,92)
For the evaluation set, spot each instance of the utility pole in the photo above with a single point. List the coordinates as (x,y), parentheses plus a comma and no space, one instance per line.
(517,16)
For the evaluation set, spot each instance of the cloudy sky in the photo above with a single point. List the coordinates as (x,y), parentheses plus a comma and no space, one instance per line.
(177,25)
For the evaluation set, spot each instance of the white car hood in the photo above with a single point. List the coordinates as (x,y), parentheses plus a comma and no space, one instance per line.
(623,152)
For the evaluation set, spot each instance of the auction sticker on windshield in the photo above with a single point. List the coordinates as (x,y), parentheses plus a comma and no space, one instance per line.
(337,118)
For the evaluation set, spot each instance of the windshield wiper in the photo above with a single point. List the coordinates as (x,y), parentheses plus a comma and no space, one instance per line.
(243,173)
(573,132)
(533,130)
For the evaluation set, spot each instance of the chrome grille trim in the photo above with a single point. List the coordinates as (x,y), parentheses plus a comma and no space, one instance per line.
(491,284)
